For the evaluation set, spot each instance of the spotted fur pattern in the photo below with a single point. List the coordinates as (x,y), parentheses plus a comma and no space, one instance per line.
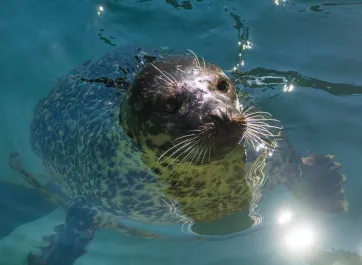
(76,132)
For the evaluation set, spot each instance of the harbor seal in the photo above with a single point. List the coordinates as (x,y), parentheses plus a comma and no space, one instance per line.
(162,138)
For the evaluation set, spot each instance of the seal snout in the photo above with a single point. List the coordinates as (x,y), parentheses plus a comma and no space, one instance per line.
(228,125)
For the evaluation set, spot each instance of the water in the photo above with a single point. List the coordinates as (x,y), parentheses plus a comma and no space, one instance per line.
(43,40)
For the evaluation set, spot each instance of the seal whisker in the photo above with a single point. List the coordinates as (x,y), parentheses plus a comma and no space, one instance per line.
(194,151)
(166,74)
(204,149)
(204,153)
(245,112)
(258,114)
(184,136)
(196,130)
(187,141)
(248,141)
(183,160)
(260,131)
(210,146)
(262,127)
(250,111)
(259,117)
(263,124)
(171,76)
(171,81)
(257,124)
(254,133)
(263,131)
(192,158)
(195,138)
(251,108)
(166,81)
(204,62)
(254,138)
(260,121)
(185,151)
(201,148)
(196,155)
(189,158)
(197,59)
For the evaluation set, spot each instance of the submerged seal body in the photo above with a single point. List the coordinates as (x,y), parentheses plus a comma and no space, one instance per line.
(159,138)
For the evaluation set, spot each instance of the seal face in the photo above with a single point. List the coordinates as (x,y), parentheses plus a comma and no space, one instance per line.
(178,97)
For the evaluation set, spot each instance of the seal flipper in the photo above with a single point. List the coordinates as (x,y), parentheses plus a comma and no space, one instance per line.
(314,180)
(321,183)
(69,241)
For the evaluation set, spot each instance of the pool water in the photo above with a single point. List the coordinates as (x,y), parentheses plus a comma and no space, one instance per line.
(315,46)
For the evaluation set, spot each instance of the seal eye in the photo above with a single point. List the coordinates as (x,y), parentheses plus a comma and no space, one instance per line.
(222,86)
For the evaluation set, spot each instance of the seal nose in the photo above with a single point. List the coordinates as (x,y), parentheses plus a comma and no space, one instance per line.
(227,116)
(219,118)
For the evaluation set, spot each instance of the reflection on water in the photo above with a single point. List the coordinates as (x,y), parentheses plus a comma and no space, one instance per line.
(100,10)
(327,8)
(107,40)
(269,78)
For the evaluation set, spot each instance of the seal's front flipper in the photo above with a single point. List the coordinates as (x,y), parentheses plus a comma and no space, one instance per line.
(320,183)
(69,242)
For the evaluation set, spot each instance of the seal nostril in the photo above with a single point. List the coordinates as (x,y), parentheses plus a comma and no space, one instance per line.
(216,119)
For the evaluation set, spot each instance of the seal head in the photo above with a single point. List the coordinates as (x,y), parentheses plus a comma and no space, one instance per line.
(179,97)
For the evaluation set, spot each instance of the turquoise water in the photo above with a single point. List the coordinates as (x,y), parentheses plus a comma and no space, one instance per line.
(43,40)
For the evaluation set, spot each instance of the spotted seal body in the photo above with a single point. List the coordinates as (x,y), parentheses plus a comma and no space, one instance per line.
(158,138)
